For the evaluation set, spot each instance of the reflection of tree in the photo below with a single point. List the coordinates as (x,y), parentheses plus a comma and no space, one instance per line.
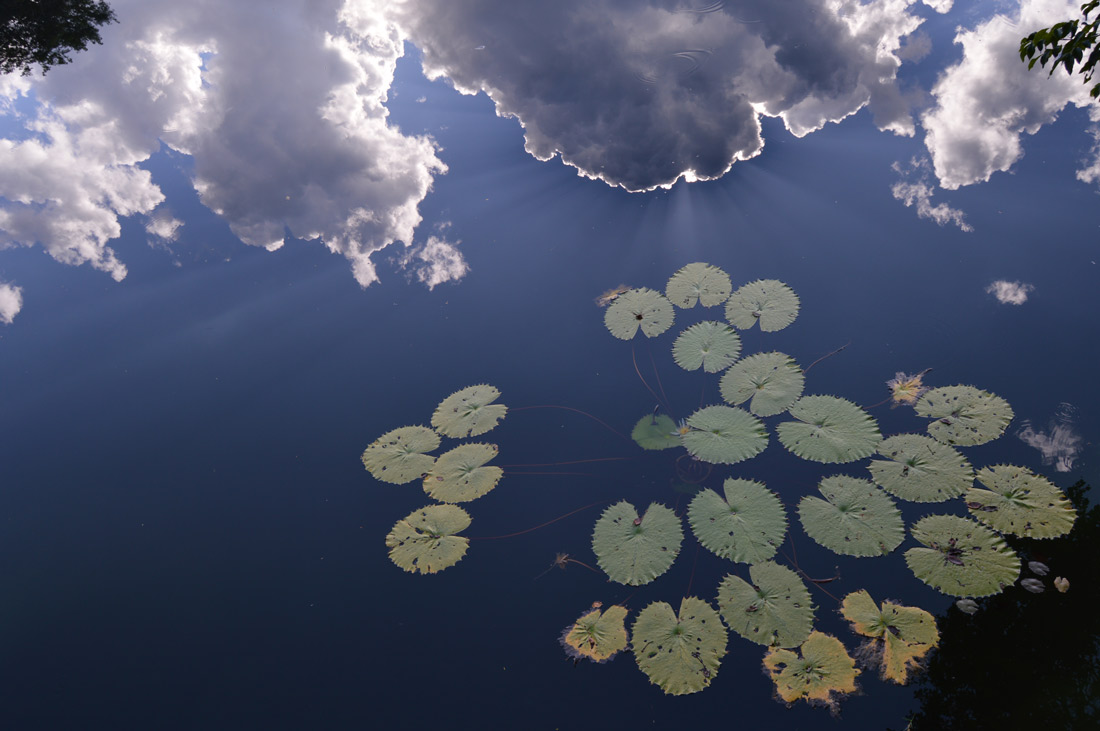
(43,32)
(1025,660)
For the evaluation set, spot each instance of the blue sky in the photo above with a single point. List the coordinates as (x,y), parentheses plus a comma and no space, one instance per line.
(297,141)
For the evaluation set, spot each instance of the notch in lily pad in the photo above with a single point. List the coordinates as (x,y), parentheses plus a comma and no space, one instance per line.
(774,610)
(656,431)
(724,435)
(829,429)
(700,283)
(425,541)
(963,415)
(639,309)
(469,412)
(461,474)
(961,557)
(1020,502)
(679,653)
(746,525)
(770,382)
(709,345)
(899,636)
(769,302)
(635,549)
(398,456)
(921,469)
(855,518)
(597,635)
(821,671)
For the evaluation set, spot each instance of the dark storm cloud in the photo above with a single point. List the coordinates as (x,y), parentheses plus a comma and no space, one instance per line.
(639,94)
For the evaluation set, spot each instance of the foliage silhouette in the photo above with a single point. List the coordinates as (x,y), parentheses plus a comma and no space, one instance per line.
(1065,44)
(44,32)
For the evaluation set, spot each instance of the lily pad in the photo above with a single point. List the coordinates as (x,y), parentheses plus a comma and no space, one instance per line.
(461,474)
(829,429)
(679,654)
(709,345)
(698,282)
(747,526)
(425,542)
(639,308)
(767,301)
(961,557)
(398,456)
(855,519)
(655,432)
(469,412)
(596,635)
(774,610)
(1021,503)
(635,549)
(920,469)
(724,435)
(964,415)
(823,674)
(900,636)
(772,380)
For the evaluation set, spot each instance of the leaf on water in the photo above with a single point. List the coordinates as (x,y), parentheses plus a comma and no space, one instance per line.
(829,429)
(964,415)
(635,549)
(655,432)
(774,610)
(961,557)
(724,435)
(747,526)
(824,672)
(639,308)
(469,412)
(900,636)
(596,635)
(679,654)
(768,301)
(855,519)
(709,345)
(425,542)
(698,282)
(1020,503)
(461,475)
(398,456)
(920,469)
(772,380)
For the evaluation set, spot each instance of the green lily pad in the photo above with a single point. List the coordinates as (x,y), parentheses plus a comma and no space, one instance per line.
(1021,503)
(398,456)
(639,308)
(920,469)
(679,654)
(900,636)
(767,301)
(961,557)
(461,474)
(747,526)
(636,550)
(829,429)
(469,412)
(709,345)
(425,542)
(964,415)
(698,282)
(596,635)
(855,519)
(823,674)
(655,432)
(724,435)
(772,380)
(774,610)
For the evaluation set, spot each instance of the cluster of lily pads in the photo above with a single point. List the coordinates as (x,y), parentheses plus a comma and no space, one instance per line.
(963,557)
(427,540)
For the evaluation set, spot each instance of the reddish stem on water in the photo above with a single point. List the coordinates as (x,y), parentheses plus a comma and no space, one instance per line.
(599,421)
(541,525)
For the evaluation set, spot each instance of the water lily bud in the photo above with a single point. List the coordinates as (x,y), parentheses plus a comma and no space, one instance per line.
(1061,584)
(1033,585)
(1038,567)
(967,605)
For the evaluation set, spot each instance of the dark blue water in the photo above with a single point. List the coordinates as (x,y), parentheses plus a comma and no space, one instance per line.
(190,542)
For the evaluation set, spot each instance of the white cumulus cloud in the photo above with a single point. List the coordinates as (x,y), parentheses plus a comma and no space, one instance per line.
(1009,293)
(436,261)
(281,108)
(11,301)
(916,189)
(986,102)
